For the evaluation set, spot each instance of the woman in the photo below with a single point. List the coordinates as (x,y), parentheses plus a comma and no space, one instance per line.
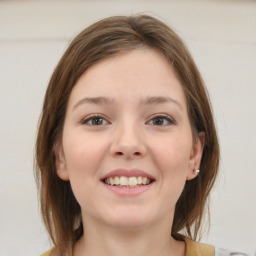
(125,127)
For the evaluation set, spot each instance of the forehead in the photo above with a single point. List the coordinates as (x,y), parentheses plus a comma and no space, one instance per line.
(137,73)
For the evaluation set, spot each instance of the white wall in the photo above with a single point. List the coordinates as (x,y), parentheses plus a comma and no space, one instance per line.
(222,38)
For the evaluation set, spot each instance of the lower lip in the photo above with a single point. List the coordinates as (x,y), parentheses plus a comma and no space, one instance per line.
(129,191)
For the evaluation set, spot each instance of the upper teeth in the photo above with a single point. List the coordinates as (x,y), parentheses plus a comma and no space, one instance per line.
(127,181)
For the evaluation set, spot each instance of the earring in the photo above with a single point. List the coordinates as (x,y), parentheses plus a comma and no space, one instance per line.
(196,171)
(61,162)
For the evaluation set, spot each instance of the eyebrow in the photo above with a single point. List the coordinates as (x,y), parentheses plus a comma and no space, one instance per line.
(155,100)
(160,100)
(95,100)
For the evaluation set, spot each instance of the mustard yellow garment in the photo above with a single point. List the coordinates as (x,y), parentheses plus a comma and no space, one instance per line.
(46,253)
(198,249)
(192,249)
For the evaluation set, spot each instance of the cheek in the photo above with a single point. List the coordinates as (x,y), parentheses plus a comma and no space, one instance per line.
(173,154)
(83,153)
(172,158)
(83,156)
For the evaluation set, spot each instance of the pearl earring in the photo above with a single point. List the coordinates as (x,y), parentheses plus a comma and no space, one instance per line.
(61,162)
(197,172)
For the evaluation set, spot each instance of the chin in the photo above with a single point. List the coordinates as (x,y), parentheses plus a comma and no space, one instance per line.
(129,220)
(129,225)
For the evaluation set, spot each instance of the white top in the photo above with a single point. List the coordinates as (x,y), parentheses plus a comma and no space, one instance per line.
(222,252)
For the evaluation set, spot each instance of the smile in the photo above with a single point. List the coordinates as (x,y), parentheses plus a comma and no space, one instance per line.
(127,182)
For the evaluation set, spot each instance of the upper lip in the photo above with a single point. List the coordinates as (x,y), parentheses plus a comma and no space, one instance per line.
(128,173)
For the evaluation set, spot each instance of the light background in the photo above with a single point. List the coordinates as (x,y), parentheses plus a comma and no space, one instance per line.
(222,38)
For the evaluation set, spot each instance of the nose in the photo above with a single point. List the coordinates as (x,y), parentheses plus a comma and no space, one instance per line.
(128,142)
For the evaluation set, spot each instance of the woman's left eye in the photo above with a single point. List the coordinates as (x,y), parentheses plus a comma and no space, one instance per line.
(161,121)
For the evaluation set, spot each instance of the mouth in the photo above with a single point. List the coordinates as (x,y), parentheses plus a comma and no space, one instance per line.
(128,182)
(123,178)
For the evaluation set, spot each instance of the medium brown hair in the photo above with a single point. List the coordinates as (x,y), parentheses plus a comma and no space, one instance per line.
(108,37)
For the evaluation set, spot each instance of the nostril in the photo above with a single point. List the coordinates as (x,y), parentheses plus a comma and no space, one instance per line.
(119,153)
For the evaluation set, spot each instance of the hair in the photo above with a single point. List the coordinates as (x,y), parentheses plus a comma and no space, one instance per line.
(109,37)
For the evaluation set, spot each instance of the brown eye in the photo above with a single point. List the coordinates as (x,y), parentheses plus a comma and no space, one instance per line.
(158,121)
(95,121)
(161,121)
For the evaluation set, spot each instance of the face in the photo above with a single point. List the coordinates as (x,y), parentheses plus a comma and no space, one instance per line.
(127,145)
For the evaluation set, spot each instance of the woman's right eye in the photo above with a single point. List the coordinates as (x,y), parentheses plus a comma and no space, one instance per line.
(95,121)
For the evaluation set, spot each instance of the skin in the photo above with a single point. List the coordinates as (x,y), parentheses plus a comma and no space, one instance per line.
(129,132)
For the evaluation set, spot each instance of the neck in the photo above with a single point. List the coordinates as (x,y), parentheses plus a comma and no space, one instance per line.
(109,241)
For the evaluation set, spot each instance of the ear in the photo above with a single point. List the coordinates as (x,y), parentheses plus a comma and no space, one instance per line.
(60,162)
(196,155)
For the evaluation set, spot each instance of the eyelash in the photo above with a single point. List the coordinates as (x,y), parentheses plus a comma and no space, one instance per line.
(91,117)
(170,121)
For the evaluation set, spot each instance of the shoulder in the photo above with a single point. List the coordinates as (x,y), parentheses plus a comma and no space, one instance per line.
(48,253)
(198,249)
